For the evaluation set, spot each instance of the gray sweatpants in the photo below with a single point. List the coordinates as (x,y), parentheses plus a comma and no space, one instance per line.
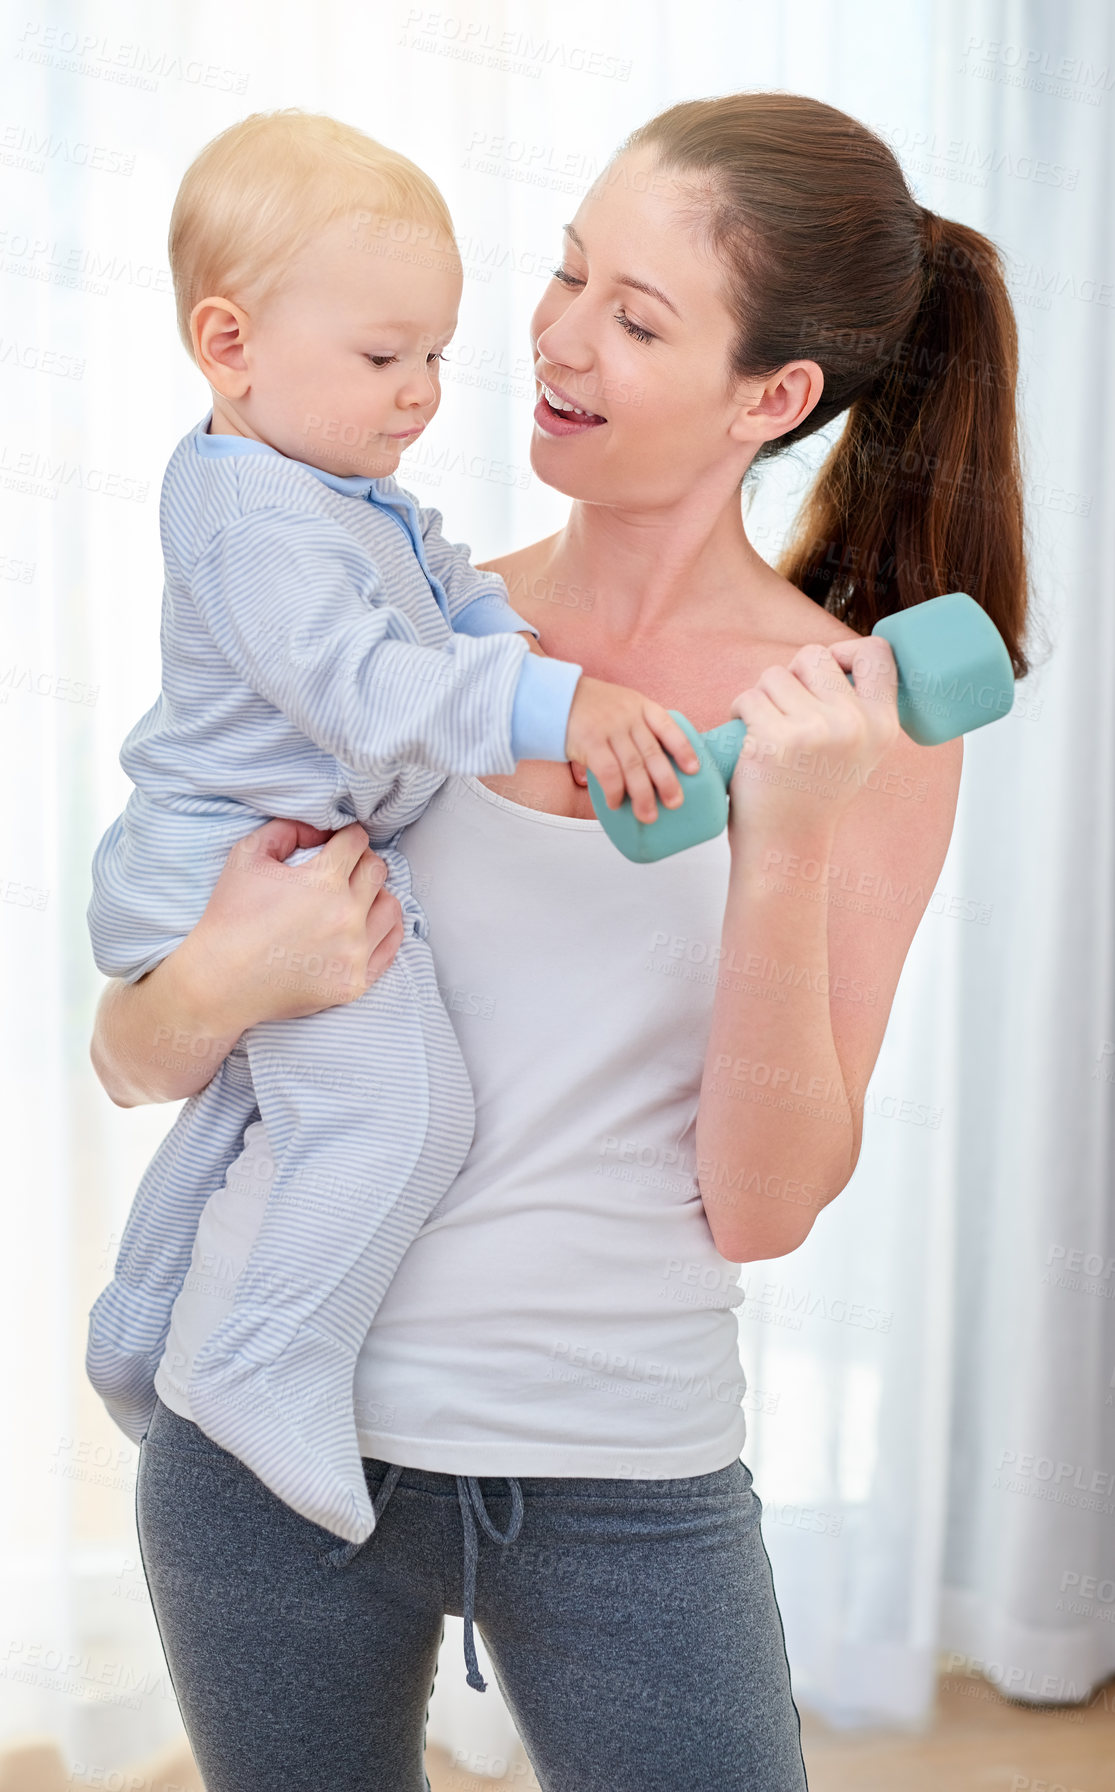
(632,1625)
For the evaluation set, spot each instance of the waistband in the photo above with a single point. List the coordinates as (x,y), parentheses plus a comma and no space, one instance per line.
(471,1501)
(713,1486)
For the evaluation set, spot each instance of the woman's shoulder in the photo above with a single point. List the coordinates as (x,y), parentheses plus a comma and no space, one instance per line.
(795,620)
(520,558)
(524,573)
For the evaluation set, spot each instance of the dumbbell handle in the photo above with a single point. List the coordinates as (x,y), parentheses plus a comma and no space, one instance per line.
(725,745)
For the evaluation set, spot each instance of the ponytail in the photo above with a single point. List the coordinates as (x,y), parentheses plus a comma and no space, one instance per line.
(922,492)
(830,258)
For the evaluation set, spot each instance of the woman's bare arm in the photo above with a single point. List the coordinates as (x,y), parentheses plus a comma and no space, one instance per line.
(276,941)
(152,1040)
(823,903)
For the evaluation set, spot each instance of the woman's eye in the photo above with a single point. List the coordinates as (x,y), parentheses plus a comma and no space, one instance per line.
(438,354)
(634,329)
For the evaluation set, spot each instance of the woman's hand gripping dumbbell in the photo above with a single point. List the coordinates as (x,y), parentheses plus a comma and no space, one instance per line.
(954,675)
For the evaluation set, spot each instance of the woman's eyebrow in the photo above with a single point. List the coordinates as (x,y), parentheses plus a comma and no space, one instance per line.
(653,292)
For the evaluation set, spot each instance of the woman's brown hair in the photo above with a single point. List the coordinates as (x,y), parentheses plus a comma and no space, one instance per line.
(830,258)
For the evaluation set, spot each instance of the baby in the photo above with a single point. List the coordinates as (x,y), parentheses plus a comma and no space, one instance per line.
(328,656)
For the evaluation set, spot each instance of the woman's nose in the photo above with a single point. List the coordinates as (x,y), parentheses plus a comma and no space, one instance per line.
(565,342)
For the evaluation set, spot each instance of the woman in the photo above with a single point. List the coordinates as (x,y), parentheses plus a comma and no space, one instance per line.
(669,1060)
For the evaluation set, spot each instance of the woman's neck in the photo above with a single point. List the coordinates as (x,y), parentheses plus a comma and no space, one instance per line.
(650,571)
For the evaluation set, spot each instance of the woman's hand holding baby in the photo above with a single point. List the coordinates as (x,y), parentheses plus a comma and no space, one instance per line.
(276,941)
(624,739)
(279,941)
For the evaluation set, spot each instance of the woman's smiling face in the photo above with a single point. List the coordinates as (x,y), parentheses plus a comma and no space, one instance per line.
(633,329)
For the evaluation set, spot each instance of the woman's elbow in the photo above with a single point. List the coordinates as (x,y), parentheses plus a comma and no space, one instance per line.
(759,1243)
(772,1224)
(107,1074)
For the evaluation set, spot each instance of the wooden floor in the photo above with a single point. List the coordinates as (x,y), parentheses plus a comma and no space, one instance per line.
(977,1742)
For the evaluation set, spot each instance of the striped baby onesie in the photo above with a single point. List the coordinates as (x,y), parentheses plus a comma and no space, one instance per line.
(327,656)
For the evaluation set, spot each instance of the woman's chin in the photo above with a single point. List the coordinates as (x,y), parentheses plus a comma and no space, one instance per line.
(562,463)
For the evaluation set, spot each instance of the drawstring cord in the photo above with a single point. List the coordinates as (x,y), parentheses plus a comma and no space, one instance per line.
(344,1552)
(470,1500)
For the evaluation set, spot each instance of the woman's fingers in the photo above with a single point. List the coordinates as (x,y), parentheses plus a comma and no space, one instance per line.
(367,878)
(813,735)
(815,693)
(384,912)
(870,660)
(813,675)
(823,672)
(383,949)
(344,852)
(761,717)
(278,838)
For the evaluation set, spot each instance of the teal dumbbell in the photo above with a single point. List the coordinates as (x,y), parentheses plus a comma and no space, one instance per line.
(954,675)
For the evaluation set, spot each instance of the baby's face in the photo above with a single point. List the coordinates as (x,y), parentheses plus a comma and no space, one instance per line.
(344,360)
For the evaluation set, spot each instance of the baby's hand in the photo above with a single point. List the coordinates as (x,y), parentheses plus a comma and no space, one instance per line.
(624,738)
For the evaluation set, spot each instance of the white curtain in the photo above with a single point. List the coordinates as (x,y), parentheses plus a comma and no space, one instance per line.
(932,1376)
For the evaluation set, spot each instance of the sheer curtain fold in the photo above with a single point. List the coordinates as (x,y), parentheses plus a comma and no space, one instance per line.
(932,1376)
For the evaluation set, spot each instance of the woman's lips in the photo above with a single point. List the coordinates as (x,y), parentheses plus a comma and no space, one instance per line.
(563,423)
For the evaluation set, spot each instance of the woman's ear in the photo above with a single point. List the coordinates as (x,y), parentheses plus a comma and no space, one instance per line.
(219,330)
(778,404)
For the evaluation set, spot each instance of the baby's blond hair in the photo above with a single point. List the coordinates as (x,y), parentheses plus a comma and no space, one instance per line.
(256,194)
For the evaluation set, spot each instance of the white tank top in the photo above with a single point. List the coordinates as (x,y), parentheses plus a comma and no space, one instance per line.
(563,1311)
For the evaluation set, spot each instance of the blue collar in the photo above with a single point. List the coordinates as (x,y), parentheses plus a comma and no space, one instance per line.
(216,447)
(383,494)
